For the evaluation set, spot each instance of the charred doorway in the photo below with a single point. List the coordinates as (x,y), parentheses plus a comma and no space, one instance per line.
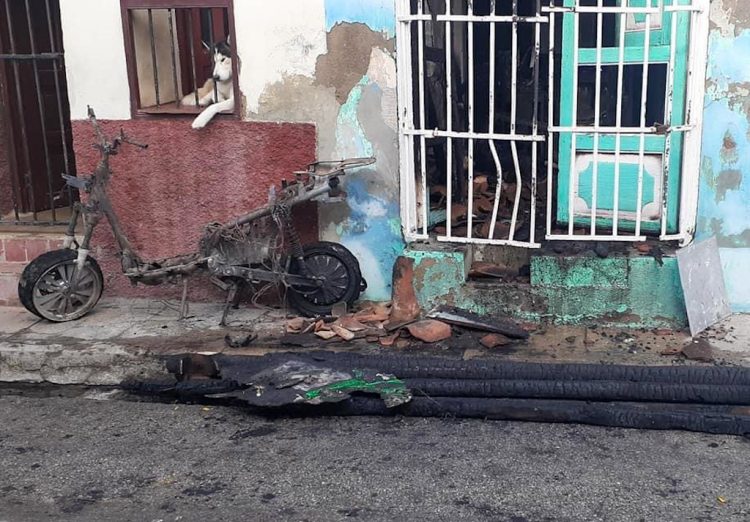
(479,102)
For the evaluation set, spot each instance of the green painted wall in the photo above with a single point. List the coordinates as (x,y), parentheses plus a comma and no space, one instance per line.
(634,291)
(626,291)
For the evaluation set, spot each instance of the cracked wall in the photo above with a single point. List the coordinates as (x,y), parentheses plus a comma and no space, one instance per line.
(724,203)
(347,87)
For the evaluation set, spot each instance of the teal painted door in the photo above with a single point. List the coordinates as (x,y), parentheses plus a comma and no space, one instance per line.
(578,175)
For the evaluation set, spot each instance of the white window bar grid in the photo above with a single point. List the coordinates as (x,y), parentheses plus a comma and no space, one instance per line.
(412,16)
(415,199)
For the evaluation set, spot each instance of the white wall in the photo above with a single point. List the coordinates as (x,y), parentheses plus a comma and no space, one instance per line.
(284,37)
(95,58)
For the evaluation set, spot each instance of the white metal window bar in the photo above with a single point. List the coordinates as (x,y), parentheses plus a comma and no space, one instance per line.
(412,17)
(417,217)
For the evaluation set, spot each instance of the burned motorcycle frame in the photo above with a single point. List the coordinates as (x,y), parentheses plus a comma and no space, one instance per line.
(255,250)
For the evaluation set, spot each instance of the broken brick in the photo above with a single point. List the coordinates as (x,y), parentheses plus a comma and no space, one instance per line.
(430,330)
(643,248)
(350,323)
(389,340)
(405,307)
(494,340)
(483,204)
(295,325)
(699,350)
(481,184)
(459,211)
(342,332)
(375,313)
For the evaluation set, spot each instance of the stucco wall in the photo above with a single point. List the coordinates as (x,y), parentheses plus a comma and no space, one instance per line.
(326,62)
(95,58)
(724,204)
(348,88)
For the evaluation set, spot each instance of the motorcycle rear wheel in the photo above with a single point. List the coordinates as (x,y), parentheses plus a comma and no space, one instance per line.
(342,279)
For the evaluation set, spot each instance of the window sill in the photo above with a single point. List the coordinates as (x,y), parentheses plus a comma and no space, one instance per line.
(173,109)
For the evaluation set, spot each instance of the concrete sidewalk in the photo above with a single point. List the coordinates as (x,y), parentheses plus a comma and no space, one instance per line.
(120,338)
(129,338)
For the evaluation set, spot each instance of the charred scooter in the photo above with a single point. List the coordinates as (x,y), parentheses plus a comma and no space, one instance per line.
(254,250)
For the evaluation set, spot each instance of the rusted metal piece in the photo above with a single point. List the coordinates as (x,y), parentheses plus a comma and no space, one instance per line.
(467,319)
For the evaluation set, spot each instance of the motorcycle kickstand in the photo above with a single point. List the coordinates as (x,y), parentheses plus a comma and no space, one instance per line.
(184,307)
(232,298)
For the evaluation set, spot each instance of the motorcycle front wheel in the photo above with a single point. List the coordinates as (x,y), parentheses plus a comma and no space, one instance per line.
(53,288)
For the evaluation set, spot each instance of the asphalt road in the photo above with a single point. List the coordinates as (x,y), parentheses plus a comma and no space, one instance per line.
(74,458)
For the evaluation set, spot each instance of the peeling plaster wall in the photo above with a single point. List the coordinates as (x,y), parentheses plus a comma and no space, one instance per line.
(349,92)
(724,204)
(326,62)
(276,40)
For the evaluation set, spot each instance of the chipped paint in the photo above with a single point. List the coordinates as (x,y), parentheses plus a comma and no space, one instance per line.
(378,15)
(350,46)
(729,17)
(275,43)
(639,289)
(635,292)
(439,276)
(350,95)
(724,203)
(372,228)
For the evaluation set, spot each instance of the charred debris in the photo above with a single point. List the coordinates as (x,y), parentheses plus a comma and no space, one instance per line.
(704,399)
(711,399)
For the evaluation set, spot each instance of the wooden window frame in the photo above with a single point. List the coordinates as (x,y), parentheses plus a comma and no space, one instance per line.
(130,57)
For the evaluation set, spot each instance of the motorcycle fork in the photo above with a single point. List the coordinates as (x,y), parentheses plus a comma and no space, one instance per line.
(295,243)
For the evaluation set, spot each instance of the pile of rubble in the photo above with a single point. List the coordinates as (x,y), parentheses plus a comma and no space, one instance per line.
(483,209)
(401,321)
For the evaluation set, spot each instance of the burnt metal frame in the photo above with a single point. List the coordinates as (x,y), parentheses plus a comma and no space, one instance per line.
(127,26)
(321,178)
(57,57)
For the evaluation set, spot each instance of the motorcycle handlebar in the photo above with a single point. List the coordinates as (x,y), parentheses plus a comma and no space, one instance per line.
(106,146)
(334,167)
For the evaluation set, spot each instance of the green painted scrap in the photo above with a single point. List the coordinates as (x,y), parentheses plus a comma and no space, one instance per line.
(392,391)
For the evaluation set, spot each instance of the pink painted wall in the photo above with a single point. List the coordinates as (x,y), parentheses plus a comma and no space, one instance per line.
(166,194)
